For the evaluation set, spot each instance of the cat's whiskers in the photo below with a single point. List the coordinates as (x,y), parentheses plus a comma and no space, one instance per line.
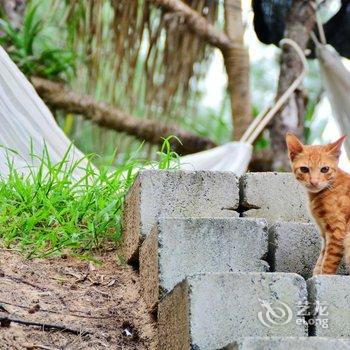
(330,187)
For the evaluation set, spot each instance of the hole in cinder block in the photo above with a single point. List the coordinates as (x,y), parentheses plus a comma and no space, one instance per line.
(311,326)
(271,250)
(242,208)
(243,205)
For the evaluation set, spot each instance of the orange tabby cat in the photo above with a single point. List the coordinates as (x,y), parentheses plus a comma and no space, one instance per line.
(316,167)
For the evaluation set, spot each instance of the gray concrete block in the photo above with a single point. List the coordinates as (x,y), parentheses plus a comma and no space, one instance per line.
(162,193)
(329,298)
(289,343)
(274,196)
(295,247)
(209,311)
(177,248)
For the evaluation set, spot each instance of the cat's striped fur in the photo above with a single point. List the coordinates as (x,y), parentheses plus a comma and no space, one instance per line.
(316,167)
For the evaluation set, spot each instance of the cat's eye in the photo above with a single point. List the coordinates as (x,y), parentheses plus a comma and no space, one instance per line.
(304,169)
(325,169)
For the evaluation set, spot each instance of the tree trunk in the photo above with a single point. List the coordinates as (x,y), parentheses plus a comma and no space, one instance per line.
(14,11)
(237,67)
(299,23)
(196,23)
(56,96)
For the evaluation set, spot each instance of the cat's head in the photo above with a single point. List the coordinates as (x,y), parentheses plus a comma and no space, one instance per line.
(314,166)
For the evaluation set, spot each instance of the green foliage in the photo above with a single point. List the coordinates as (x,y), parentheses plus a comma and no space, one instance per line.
(261,144)
(168,158)
(309,115)
(52,211)
(33,51)
(214,124)
(262,141)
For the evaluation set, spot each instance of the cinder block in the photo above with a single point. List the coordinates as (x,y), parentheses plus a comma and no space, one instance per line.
(274,196)
(177,248)
(295,247)
(209,311)
(329,298)
(289,343)
(162,193)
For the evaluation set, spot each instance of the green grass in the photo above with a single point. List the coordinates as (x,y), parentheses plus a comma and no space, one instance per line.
(34,51)
(50,212)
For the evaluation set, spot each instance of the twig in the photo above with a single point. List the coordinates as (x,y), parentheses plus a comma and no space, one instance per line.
(3,309)
(6,320)
(38,346)
(42,289)
(71,313)
(83,278)
(21,280)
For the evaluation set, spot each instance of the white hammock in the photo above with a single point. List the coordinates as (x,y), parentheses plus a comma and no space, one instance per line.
(26,124)
(232,156)
(336,81)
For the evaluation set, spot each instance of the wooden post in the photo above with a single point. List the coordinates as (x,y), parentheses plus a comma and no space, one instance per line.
(237,68)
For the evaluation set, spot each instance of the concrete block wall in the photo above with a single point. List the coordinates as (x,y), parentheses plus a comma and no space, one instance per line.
(295,247)
(177,248)
(274,197)
(208,311)
(180,194)
(329,298)
(206,241)
(289,343)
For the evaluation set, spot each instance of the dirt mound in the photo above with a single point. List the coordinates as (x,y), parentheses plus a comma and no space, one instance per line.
(71,304)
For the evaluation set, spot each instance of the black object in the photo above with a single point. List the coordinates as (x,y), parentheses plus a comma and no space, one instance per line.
(269,19)
(269,24)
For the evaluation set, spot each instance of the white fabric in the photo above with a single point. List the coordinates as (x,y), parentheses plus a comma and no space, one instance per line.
(233,156)
(26,122)
(336,80)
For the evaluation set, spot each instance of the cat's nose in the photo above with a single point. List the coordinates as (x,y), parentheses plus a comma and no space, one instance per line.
(314,183)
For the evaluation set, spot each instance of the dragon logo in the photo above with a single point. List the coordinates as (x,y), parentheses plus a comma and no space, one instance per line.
(276,314)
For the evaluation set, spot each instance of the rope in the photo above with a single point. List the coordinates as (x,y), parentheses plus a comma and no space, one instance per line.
(320,29)
(260,122)
(314,39)
(321,32)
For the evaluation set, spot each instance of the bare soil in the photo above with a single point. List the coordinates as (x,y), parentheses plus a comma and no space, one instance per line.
(101,303)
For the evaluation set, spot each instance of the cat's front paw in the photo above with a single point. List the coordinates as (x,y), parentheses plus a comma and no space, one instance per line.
(317,271)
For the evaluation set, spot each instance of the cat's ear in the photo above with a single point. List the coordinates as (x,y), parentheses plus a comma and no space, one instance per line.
(334,148)
(294,145)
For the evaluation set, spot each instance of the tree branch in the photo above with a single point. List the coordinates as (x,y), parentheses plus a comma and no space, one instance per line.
(196,23)
(6,320)
(58,97)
